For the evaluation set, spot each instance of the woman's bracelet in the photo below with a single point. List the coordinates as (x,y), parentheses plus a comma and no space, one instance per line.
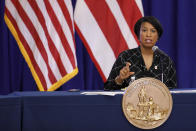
(117,81)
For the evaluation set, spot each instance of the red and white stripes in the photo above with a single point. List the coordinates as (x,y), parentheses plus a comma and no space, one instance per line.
(44,32)
(106,28)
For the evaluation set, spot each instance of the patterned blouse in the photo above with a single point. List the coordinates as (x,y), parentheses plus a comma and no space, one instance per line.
(162,63)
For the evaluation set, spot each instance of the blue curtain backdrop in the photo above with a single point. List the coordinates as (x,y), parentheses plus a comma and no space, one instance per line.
(178,18)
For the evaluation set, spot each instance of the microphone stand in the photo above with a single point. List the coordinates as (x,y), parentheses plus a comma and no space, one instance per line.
(161,69)
(155,48)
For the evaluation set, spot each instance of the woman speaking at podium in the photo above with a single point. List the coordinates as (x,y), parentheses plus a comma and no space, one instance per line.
(145,61)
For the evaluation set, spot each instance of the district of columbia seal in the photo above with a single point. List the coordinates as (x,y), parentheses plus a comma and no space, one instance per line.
(147,103)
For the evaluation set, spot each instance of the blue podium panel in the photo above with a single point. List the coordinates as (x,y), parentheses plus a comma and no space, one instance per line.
(73,112)
(10,113)
(67,111)
(183,116)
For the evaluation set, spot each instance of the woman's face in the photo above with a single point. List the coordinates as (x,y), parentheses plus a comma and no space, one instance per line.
(148,35)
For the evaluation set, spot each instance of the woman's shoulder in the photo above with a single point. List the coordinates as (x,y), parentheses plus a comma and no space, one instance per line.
(164,56)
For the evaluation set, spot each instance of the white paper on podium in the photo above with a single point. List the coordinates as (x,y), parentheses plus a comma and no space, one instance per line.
(107,93)
(183,91)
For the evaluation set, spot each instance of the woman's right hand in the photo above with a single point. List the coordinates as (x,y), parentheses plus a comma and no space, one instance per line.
(124,73)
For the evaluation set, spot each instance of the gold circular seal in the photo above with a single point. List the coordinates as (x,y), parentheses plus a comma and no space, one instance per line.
(147,103)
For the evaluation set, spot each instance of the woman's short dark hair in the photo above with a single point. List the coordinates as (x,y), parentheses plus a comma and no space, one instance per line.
(152,20)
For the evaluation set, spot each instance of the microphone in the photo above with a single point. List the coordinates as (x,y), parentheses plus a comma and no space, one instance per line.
(156,48)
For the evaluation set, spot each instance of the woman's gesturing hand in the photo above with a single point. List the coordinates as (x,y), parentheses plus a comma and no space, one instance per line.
(124,73)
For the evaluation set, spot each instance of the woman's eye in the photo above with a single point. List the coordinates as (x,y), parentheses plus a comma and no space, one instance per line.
(153,31)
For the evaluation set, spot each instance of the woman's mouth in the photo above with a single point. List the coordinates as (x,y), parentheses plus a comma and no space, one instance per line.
(148,41)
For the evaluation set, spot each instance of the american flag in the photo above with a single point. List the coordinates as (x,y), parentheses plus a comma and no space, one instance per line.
(106,28)
(44,32)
